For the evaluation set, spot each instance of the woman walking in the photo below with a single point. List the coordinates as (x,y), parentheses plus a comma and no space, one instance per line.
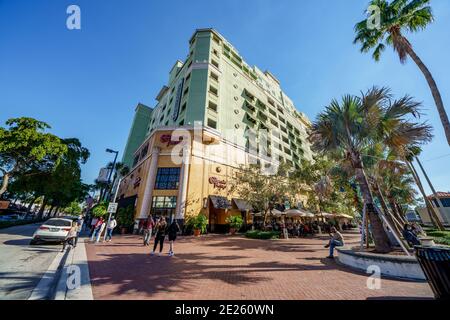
(174,228)
(160,229)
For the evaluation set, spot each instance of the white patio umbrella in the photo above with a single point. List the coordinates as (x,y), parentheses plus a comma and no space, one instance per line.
(299,213)
(342,215)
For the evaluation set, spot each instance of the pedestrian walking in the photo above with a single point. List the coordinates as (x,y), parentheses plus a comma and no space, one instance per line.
(71,236)
(160,230)
(148,229)
(100,231)
(80,224)
(337,240)
(173,230)
(94,221)
(112,224)
(97,227)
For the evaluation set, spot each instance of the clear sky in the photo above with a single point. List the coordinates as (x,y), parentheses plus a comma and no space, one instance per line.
(85,83)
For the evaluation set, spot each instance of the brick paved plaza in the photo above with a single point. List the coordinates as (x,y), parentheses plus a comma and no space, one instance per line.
(233,267)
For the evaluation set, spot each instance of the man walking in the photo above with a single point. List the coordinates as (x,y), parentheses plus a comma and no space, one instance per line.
(337,240)
(148,229)
(112,224)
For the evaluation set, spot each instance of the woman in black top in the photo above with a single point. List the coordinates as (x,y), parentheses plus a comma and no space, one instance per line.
(174,228)
(160,235)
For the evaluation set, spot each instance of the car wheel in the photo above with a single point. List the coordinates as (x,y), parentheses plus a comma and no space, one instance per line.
(33,242)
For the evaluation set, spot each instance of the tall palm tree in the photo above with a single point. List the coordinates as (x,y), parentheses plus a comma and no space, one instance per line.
(349,127)
(396,19)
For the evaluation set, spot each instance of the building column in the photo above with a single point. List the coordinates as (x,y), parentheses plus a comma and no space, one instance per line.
(149,184)
(182,191)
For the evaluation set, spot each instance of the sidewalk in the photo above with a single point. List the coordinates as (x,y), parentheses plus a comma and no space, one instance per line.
(233,267)
(67,278)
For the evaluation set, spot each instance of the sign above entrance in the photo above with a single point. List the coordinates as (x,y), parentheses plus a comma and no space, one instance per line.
(167,138)
(219,184)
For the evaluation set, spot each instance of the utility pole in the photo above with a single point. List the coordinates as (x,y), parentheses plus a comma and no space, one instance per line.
(107,194)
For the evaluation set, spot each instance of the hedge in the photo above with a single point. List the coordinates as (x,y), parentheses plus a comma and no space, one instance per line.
(265,235)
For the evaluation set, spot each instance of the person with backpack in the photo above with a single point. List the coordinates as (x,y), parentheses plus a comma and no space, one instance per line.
(160,230)
(173,230)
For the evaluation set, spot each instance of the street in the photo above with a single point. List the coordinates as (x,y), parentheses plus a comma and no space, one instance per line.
(22,265)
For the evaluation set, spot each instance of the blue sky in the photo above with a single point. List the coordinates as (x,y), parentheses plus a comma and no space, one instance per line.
(86,83)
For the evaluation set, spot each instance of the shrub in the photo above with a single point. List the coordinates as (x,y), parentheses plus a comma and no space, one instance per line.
(125,217)
(265,235)
(199,222)
(235,222)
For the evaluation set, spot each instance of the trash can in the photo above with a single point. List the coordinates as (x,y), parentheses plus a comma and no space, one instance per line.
(435,263)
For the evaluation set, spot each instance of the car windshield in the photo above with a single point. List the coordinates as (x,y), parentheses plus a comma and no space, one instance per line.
(58,223)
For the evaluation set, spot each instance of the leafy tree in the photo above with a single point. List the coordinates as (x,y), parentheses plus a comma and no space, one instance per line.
(345,130)
(100,209)
(74,208)
(261,190)
(26,149)
(397,18)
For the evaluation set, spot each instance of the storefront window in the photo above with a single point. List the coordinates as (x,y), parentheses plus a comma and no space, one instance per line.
(167,178)
(164,207)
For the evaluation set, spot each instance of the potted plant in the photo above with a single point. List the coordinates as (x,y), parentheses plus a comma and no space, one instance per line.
(199,224)
(125,218)
(235,223)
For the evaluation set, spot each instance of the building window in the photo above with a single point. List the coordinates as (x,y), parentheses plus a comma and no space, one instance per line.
(212,106)
(164,207)
(212,123)
(183,107)
(167,178)
(214,76)
(215,63)
(188,77)
(213,90)
(216,40)
(181,123)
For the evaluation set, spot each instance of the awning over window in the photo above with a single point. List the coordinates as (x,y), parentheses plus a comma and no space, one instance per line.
(242,205)
(220,202)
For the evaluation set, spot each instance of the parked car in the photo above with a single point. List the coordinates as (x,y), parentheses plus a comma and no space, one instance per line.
(53,230)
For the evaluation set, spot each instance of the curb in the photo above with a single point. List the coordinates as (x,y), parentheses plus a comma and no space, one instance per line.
(46,286)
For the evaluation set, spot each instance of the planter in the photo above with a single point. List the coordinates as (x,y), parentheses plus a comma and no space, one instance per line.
(197,232)
(123,230)
(403,267)
(232,231)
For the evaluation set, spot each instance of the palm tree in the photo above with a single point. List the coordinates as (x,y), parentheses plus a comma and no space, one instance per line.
(397,18)
(346,129)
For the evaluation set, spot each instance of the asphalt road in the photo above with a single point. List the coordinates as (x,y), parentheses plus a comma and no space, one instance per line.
(21,265)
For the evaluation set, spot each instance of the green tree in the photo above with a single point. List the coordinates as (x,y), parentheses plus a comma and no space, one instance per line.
(26,149)
(74,208)
(397,18)
(344,130)
(260,189)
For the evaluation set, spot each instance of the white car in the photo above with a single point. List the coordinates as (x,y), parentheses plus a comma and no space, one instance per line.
(54,230)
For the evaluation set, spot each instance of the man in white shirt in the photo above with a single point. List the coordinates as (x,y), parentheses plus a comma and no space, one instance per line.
(112,224)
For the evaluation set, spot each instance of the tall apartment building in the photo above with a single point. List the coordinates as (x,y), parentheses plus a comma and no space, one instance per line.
(214,88)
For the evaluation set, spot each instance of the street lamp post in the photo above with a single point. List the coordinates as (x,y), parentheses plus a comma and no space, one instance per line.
(111,172)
